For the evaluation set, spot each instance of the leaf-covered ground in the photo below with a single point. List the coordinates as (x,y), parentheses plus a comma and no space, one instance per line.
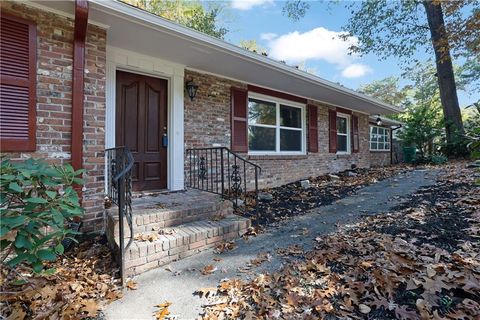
(419,261)
(84,281)
(291,199)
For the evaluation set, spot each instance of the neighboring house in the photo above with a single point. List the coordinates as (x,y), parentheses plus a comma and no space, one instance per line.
(68,89)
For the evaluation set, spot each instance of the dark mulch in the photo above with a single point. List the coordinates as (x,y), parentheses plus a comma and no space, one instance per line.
(291,200)
(437,218)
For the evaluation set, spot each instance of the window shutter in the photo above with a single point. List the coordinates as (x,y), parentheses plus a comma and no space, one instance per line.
(332,125)
(355,136)
(312,128)
(239,101)
(17,84)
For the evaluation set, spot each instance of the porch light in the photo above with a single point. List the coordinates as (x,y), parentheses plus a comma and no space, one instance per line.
(191,89)
(379,121)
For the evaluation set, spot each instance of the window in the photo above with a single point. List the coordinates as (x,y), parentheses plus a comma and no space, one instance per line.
(275,126)
(17,84)
(343,133)
(379,139)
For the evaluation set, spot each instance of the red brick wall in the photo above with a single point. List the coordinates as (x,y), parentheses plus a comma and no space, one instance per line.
(207,124)
(54,104)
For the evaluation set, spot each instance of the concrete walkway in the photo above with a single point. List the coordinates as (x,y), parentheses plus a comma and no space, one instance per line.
(178,285)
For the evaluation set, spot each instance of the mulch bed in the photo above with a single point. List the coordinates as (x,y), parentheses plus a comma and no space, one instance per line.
(291,200)
(419,261)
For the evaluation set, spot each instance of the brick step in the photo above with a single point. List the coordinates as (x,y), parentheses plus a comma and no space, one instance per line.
(153,219)
(185,240)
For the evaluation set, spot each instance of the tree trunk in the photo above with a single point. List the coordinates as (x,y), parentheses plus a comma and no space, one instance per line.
(445,76)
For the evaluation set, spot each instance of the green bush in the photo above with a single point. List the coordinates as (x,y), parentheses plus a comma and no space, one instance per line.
(438,159)
(37,200)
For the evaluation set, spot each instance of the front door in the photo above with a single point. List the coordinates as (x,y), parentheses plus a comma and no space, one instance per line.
(141,122)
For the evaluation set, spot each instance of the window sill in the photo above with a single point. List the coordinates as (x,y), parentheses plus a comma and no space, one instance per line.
(277,157)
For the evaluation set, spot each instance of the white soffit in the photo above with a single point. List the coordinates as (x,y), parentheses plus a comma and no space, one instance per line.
(139,31)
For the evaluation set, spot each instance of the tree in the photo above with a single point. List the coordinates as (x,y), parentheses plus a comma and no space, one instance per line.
(252,45)
(386,90)
(401,28)
(191,14)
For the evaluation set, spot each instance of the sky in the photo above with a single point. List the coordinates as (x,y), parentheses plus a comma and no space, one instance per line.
(311,42)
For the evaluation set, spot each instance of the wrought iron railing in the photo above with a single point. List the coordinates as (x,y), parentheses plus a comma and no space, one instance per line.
(119,190)
(219,170)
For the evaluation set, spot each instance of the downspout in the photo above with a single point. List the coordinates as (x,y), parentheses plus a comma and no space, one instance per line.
(391,142)
(80,33)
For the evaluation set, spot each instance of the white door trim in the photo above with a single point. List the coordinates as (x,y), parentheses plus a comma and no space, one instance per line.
(120,59)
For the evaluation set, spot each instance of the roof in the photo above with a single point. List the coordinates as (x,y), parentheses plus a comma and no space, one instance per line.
(170,41)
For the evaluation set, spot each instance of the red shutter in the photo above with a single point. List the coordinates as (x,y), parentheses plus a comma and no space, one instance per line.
(355,136)
(239,123)
(332,125)
(17,84)
(312,128)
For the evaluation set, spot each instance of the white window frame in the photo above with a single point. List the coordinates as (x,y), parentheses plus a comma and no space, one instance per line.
(348,134)
(277,126)
(387,130)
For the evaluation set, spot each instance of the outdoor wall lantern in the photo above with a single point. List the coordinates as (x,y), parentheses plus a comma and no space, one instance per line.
(191,89)
(379,121)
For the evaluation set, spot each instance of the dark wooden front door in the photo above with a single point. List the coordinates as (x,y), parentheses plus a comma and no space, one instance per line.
(141,121)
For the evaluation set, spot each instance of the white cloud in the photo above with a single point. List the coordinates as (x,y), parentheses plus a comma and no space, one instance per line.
(317,44)
(356,70)
(268,36)
(249,4)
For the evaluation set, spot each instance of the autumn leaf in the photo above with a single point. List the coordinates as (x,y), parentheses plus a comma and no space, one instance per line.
(208,269)
(132,285)
(162,311)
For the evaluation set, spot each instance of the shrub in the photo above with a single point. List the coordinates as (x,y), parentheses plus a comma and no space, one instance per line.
(37,200)
(438,159)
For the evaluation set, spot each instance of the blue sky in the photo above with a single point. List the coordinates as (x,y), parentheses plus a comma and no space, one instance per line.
(311,41)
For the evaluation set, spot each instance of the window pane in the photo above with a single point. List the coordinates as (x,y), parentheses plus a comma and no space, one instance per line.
(381,146)
(341,125)
(374,130)
(261,112)
(387,146)
(387,137)
(261,139)
(342,143)
(373,146)
(290,117)
(290,140)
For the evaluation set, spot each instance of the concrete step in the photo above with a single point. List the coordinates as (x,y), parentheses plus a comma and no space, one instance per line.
(185,240)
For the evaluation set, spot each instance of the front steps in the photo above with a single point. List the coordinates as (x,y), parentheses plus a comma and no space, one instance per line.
(174,226)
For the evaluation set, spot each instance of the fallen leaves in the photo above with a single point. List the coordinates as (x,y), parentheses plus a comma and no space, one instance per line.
(421,260)
(162,311)
(85,280)
(131,285)
(225,246)
(208,269)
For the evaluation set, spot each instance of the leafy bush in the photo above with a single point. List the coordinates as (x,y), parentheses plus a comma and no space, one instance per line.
(472,130)
(37,200)
(438,159)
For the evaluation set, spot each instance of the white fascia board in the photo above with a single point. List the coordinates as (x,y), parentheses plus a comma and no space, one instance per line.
(150,20)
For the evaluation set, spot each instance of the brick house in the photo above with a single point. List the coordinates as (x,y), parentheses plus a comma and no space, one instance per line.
(71,72)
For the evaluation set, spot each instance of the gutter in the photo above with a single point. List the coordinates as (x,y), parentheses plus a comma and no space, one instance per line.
(78,83)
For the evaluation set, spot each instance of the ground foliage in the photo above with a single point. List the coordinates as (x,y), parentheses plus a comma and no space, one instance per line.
(291,199)
(85,279)
(419,261)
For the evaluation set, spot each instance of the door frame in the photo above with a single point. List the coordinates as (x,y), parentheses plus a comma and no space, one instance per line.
(128,61)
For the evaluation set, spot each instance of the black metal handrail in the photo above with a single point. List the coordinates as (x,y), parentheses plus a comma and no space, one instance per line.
(119,189)
(221,171)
